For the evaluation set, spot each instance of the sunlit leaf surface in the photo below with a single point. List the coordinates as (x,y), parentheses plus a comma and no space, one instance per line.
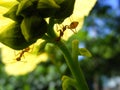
(8,3)
(27,63)
(82,8)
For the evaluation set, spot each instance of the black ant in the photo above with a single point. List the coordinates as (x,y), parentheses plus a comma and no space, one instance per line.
(72,25)
(22,53)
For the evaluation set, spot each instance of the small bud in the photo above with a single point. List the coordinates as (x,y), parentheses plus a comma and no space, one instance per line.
(12,37)
(33,27)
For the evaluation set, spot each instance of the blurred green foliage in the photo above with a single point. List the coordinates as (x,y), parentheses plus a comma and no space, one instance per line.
(44,77)
(103,43)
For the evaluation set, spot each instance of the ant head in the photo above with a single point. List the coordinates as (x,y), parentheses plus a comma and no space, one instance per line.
(18,59)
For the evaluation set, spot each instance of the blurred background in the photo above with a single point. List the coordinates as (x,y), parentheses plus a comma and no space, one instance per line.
(100,35)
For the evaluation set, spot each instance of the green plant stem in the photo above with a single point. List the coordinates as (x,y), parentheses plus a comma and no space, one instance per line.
(75,52)
(76,71)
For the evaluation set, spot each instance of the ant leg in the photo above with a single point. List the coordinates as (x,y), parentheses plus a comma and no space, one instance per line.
(73,31)
(16,53)
(23,61)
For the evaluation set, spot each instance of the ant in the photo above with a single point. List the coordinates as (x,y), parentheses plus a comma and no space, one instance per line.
(72,25)
(22,53)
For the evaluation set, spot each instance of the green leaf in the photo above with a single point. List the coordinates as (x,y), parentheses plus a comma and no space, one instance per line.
(33,27)
(12,14)
(59,21)
(59,1)
(47,4)
(8,3)
(84,52)
(26,7)
(47,8)
(12,37)
(66,9)
(19,0)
